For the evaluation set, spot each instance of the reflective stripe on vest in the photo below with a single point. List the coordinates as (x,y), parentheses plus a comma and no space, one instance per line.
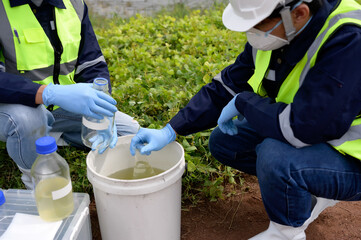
(89,64)
(27,50)
(347,12)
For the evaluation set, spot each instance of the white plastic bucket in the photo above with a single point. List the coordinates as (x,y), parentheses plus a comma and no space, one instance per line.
(143,209)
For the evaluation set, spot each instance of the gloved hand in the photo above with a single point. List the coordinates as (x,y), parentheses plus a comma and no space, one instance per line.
(155,139)
(80,98)
(225,122)
(100,140)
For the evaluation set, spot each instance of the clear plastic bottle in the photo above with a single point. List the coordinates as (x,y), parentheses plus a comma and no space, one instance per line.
(142,168)
(53,189)
(93,128)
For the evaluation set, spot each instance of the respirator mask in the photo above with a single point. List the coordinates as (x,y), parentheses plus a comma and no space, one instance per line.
(266,41)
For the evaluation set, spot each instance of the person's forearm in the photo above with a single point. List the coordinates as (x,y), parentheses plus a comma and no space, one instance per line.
(16,89)
(39,95)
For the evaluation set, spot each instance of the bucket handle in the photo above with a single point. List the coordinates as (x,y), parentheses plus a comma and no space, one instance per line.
(186,170)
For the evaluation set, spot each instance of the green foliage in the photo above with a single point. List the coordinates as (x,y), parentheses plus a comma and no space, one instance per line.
(158,64)
(78,170)
(10,175)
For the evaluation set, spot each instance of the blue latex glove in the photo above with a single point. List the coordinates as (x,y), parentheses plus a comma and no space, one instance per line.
(155,139)
(225,122)
(100,140)
(80,98)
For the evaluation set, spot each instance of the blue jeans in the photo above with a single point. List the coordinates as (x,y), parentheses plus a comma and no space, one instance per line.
(289,176)
(21,125)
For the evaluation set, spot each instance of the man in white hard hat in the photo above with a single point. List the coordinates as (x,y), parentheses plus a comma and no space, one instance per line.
(296,89)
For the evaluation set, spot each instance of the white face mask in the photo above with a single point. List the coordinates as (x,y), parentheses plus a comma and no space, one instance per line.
(264,40)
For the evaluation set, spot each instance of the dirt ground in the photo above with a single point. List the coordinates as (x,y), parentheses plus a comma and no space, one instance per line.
(242,216)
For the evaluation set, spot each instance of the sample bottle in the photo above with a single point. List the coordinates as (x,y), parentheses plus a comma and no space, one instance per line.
(53,190)
(142,168)
(95,130)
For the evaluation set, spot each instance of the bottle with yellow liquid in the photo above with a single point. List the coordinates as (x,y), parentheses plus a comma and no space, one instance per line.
(53,189)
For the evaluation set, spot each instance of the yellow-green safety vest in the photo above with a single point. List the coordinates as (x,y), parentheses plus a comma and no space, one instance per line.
(27,50)
(347,11)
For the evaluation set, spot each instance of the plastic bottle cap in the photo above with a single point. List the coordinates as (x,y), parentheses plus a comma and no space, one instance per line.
(46,145)
(101,81)
(2,198)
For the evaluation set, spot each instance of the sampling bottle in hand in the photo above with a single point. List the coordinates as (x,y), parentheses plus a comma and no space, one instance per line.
(98,132)
(142,168)
(53,189)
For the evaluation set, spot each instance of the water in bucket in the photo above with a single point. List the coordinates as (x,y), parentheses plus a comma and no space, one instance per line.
(142,169)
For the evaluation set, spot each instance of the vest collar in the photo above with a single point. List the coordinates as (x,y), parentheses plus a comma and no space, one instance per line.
(55,3)
(296,50)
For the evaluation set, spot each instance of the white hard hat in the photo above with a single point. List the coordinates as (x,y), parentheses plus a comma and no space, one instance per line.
(242,15)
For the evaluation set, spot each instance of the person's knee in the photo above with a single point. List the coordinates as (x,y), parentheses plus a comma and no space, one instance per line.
(213,142)
(216,145)
(270,159)
(21,126)
(24,120)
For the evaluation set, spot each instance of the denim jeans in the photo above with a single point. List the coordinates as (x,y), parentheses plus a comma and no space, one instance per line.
(289,176)
(21,125)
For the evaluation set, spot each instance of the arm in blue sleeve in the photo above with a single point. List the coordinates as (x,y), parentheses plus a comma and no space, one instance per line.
(261,113)
(236,75)
(204,108)
(202,111)
(326,103)
(17,90)
(91,62)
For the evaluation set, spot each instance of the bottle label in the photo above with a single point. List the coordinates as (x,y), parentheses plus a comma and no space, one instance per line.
(62,192)
(104,124)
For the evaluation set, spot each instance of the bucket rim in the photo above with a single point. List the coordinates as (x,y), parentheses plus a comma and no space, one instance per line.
(166,172)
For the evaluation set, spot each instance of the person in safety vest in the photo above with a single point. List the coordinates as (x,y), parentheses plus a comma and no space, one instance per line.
(296,89)
(49,56)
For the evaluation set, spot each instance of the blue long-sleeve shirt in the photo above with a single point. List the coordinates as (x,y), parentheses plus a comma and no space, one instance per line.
(323,108)
(16,89)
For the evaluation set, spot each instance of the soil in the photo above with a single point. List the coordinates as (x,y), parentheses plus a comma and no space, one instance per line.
(242,215)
